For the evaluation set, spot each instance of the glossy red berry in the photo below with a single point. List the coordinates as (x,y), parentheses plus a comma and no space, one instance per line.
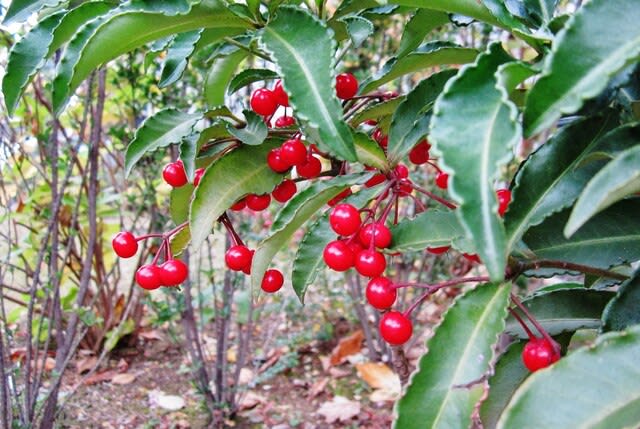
(381,293)
(284,191)
(149,277)
(239,205)
(173,272)
(293,152)
(401,171)
(539,353)
(370,263)
(346,86)
(124,244)
(420,153)
(504,198)
(472,257)
(173,173)
(405,187)
(281,96)
(276,162)
(263,102)
(395,328)
(257,203)
(285,121)
(338,256)
(375,180)
(197,176)
(345,219)
(341,196)
(438,250)
(380,234)
(384,141)
(310,169)
(272,281)
(238,257)
(247,269)
(442,180)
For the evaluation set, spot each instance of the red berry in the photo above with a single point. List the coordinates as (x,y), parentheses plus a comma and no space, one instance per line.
(285,121)
(345,219)
(263,102)
(272,281)
(438,250)
(381,293)
(471,257)
(504,198)
(346,86)
(173,272)
(377,134)
(539,353)
(355,247)
(247,269)
(420,153)
(149,277)
(405,187)
(402,172)
(371,122)
(370,263)
(284,191)
(375,180)
(384,142)
(309,169)
(338,256)
(395,328)
(442,180)
(281,96)
(276,162)
(173,173)
(239,205)
(197,176)
(341,196)
(238,257)
(380,233)
(124,244)
(257,203)
(293,152)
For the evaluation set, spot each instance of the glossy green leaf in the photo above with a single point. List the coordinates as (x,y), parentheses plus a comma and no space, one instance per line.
(421,23)
(254,133)
(354,6)
(539,11)
(188,151)
(177,57)
(166,127)
(20,10)
(303,50)
(369,152)
(432,228)
(502,14)
(249,76)
(617,180)
(179,201)
(459,353)
(622,311)
(581,65)
(377,111)
(555,397)
(359,29)
(471,8)
(241,172)
(180,241)
(219,75)
(512,74)
(474,127)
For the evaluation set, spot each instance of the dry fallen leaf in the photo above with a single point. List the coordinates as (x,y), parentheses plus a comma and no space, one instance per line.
(346,347)
(126,378)
(151,335)
(86,364)
(380,377)
(246,376)
(250,400)
(339,409)
(100,377)
(318,387)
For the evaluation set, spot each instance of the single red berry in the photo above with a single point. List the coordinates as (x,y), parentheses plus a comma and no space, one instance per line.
(381,293)
(247,269)
(384,142)
(341,196)
(472,257)
(371,122)
(401,171)
(370,263)
(375,180)
(338,256)
(238,257)
(149,277)
(284,191)
(293,152)
(504,198)
(173,173)
(405,187)
(272,281)
(285,121)
(345,219)
(124,244)
(173,272)
(438,250)
(420,153)
(380,234)
(395,328)
(263,102)
(377,134)
(276,162)
(310,169)
(197,176)
(281,96)
(239,205)
(539,353)
(346,86)
(442,180)
(257,203)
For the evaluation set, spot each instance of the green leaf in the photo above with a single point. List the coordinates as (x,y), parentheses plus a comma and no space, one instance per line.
(20,10)
(377,111)
(612,237)
(427,56)
(219,76)
(355,6)
(359,29)
(512,74)
(609,367)
(249,76)
(410,111)
(563,310)
(303,50)
(188,152)
(254,133)
(166,127)
(369,152)
(471,8)
(179,203)
(241,172)
(421,23)
(622,311)
(618,179)
(459,353)
(538,11)
(581,65)
(432,228)
(180,241)
(178,55)
(500,11)
(474,127)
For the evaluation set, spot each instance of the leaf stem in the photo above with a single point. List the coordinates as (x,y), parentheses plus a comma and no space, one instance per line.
(246,48)
(434,288)
(534,322)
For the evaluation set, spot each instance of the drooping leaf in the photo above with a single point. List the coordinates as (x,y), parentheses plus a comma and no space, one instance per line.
(249,76)
(188,151)
(254,133)
(177,57)
(617,180)
(20,10)
(474,127)
(439,394)
(609,367)
(432,228)
(219,75)
(421,23)
(622,311)
(581,65)
(369,152)
(303,51)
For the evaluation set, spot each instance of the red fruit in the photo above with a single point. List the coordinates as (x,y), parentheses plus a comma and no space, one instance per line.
(420,153)
(355,247)
(284,191)
(504,198)
(471,257)
(539,353)
(438,250)
(238,257)
(384,142)
(381,293)
(293,152)
(346,86)
(263,102)
(370,263)
(395,328)
(257,203)
(338,256)
(377,134)
(149,277)
(285,121)
(197,176)
(272,281)
(345,219)
(380,233)
(238,206)
(375,180)
(173,272)
(401,171)
(405,187)
(276,162)
(124,244)
(309,169)
(247,269)
(341,196)
(442,180)
(371,122)
(281,96)
(173,173)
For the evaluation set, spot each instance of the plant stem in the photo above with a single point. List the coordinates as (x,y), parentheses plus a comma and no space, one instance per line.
(246,48)
(534,321)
